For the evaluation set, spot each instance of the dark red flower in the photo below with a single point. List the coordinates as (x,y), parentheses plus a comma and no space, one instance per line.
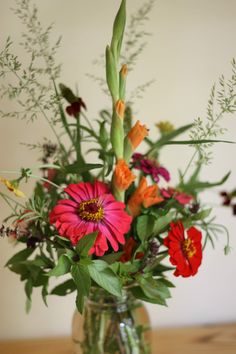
(234,209)
(181,197)
(150,167)
(75,107)
(185,250)
(226,198)
(129,249)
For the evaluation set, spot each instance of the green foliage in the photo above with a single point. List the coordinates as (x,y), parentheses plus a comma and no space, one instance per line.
(85,244)
(105,277)
(145,225)
(152,290)
(79,168)
(81,277)
(19,257)
(167,138)
(63,266)
(194,186)
(65,288)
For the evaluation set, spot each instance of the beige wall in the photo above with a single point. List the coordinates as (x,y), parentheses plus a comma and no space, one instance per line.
(192,44)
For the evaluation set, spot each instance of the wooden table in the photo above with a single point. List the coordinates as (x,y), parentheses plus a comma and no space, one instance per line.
(192,340)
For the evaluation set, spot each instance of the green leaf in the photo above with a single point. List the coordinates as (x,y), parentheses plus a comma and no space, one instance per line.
(163,222)
(85,244)
(111,74)
(145,225)
(153,288)
(79,301)
(139,294)
(29,288)
(82,280)
(103,135)
(105,277)
(45,293)
(155,263)
(197,142)
(79,168)
(65,288)
(118,30)
(112,257)
(198,185)
(63,266)
(203,214)
(20,256)
(167,283)
(81,277)
(169,136)
(28,305)
(195,174)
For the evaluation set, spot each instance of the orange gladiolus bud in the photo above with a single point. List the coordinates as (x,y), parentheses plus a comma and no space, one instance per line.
(120,108)
(137,133)
(123,177)
(144,195)
(124,70)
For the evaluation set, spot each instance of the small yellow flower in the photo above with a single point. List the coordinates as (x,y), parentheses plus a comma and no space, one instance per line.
(12,186)
(165,127)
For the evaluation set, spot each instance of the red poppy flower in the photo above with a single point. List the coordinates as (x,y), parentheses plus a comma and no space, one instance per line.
(185,250)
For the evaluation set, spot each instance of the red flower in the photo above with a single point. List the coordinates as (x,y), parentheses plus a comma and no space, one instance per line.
(128,249)
(91,208)
(185,252)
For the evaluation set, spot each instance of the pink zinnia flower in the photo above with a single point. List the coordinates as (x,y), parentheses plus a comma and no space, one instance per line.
(182,198)
(91,209)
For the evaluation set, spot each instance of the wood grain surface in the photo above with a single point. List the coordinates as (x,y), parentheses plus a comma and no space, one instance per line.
(193,340)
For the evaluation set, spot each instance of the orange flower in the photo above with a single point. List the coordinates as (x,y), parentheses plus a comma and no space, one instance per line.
(144,195)
(120,108)
(123,177)
(136,135)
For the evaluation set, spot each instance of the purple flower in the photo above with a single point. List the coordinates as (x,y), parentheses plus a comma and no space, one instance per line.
(150,167)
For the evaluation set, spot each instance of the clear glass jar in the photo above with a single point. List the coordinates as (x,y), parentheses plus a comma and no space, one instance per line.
(111,325)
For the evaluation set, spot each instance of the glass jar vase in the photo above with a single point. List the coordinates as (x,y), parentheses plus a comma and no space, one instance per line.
(111,325)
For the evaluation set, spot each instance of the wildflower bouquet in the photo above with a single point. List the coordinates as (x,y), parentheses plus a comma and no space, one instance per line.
(107,224)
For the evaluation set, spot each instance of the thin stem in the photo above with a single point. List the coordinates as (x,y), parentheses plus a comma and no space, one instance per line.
(204,137)
(46,180)
(7,201)
(40,109)
(4,196)
(87,120)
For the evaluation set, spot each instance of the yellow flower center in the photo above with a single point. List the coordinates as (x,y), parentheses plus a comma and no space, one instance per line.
(188,248)
(91,210)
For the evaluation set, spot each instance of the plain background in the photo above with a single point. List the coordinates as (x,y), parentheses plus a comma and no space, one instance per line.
(192,43)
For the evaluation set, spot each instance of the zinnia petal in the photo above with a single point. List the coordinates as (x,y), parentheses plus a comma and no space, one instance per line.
(93,208)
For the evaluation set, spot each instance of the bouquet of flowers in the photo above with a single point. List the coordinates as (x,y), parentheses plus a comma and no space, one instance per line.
(106,225)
